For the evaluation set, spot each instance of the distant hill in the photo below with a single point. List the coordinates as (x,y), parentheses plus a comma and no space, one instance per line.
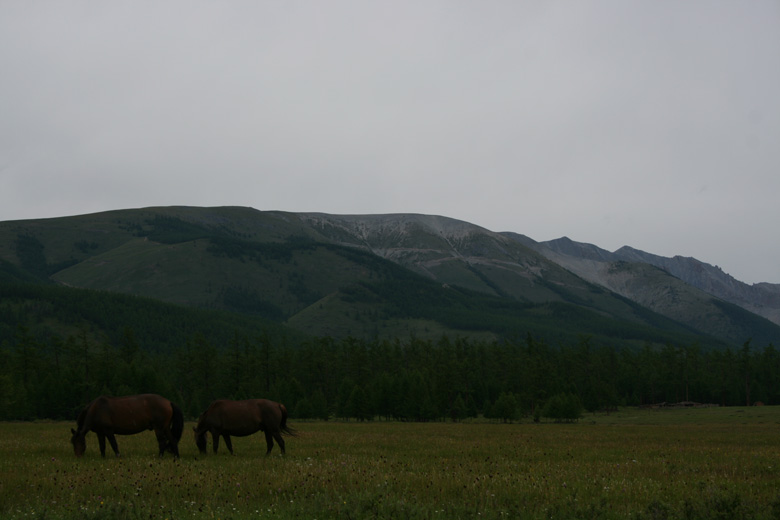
(376,276)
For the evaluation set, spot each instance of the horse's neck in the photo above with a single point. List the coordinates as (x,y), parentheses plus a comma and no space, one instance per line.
(84,422)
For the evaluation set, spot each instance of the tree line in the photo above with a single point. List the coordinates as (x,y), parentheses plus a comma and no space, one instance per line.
(401,379)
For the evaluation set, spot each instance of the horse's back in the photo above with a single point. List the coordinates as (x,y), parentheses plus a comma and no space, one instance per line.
(248,417)
(239,418)
(131,414)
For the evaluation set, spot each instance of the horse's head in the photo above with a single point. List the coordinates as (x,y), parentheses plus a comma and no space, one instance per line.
(200,440)
(79,444)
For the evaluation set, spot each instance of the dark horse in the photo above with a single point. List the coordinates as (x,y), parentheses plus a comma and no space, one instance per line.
(109,416)
(242,418)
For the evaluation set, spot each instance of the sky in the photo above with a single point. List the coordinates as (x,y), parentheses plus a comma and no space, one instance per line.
(653,124)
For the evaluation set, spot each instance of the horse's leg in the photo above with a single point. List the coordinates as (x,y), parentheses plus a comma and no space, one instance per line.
(174,447)
(215,440)
(162,441)
(102,443)
(269,440)
(278,437)
(112,440)
(228,442)
(171,444)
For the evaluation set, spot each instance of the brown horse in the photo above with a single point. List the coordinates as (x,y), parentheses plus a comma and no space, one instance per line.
(242,418)
(109,416)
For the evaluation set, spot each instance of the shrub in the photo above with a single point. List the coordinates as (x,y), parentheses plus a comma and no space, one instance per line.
(563,407)
(505,407)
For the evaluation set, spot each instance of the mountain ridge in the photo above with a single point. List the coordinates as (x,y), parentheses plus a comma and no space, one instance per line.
(328,273)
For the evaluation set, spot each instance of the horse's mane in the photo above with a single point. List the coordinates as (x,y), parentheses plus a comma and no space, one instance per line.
(81,418)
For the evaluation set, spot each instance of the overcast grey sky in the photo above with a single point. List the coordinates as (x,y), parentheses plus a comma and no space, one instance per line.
(654,124)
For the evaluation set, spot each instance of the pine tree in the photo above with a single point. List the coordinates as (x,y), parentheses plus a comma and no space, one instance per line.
(358,405)
(458,409)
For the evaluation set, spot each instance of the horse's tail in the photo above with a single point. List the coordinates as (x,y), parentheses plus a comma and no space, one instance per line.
(283,424)
(177,423)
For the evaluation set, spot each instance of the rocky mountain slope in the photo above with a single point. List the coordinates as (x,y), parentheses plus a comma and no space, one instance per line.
(457,252)
(604,268)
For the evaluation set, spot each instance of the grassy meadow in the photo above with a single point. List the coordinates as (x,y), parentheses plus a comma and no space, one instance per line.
(703,463)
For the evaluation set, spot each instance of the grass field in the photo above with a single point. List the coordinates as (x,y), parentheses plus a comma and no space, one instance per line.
(704,463)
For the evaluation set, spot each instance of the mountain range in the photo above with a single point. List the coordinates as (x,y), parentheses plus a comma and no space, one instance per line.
(390,275)
(589,261)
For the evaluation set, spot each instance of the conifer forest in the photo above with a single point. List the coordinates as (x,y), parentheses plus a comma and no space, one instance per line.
(405,379)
